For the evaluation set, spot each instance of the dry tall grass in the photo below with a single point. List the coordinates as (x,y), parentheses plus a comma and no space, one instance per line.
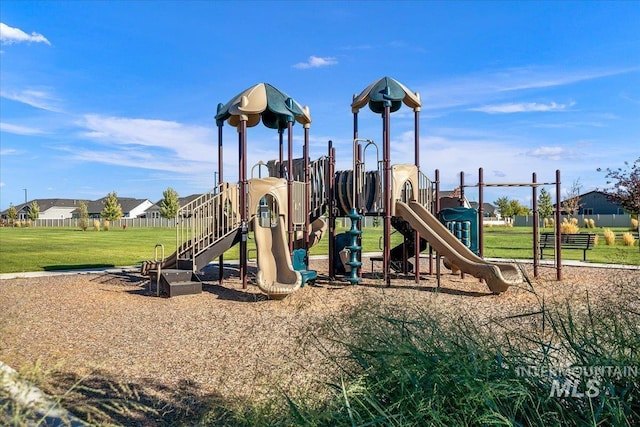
(569,226)
(609,237)
(628,239)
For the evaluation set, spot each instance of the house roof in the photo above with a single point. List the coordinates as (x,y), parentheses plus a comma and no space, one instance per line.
(45,204)
(486,206)
(127,203)
(182,201)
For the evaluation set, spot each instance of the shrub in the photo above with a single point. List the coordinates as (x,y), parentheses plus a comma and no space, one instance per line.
(105,225)
(418,367)
(634,224)
(28,223)
(569,226)
(96,225)
(83,223)
(609,237)
(628,239)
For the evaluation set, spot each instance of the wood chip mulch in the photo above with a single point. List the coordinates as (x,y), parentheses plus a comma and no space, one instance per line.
(230,342)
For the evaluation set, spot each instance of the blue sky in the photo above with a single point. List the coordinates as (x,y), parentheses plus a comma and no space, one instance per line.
(120,96)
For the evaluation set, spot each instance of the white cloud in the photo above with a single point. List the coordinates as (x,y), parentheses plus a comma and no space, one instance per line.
(551,153)
(316,62)
(8,152)
(147,132)
(19,130)
(37,98)
(522,107)
(10,35)
(147,143)
(482,87)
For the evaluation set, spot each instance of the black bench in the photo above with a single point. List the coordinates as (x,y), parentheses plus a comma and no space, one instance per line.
(583,242)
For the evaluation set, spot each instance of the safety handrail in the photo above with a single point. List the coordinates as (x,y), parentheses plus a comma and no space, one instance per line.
(206,219)
(159,264)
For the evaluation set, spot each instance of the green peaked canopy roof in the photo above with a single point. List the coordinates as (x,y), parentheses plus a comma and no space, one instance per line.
(266,102)
(386,91)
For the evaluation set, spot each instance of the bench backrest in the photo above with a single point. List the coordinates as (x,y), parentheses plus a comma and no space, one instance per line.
(578,240)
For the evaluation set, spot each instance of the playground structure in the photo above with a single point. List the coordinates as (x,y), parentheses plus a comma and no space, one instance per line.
(285,209)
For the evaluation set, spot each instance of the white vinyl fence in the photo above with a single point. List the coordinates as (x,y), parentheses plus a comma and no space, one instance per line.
(623,220)
(130,222)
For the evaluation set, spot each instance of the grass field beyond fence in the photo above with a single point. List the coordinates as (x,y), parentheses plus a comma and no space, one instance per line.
(56,248)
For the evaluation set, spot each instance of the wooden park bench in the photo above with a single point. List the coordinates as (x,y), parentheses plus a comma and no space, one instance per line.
(581,241)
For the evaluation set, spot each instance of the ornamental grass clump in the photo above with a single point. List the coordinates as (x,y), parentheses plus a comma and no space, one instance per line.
(634,224)
(96,225)
(609,237)
(558,364)
(628,239)
(569,226)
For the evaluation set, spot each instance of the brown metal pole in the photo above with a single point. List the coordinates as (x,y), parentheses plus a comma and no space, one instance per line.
(307,187)
(358,186)
(290,184)
(331,206)
(386,258)
(220,124)
(436,209)
(281,151)
(461,204)
(481,212)
(558,248)
(242,173)
(416,148)
(536,225)
(461,201)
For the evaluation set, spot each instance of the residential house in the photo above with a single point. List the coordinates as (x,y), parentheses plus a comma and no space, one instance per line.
(597,203)
(49,209)
(131,208)
(451,199)
(154,210)
(489,210)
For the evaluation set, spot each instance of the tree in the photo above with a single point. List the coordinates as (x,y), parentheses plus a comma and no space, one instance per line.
(517,209)
(34,211)
(112,208)
(545,206)
(12,214)
(504,207)
(169,205)
(626,187)
(83,215)
(510,208)
(571,204)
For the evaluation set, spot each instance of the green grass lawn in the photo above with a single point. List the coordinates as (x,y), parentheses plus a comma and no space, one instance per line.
(41,249)
(517,243)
